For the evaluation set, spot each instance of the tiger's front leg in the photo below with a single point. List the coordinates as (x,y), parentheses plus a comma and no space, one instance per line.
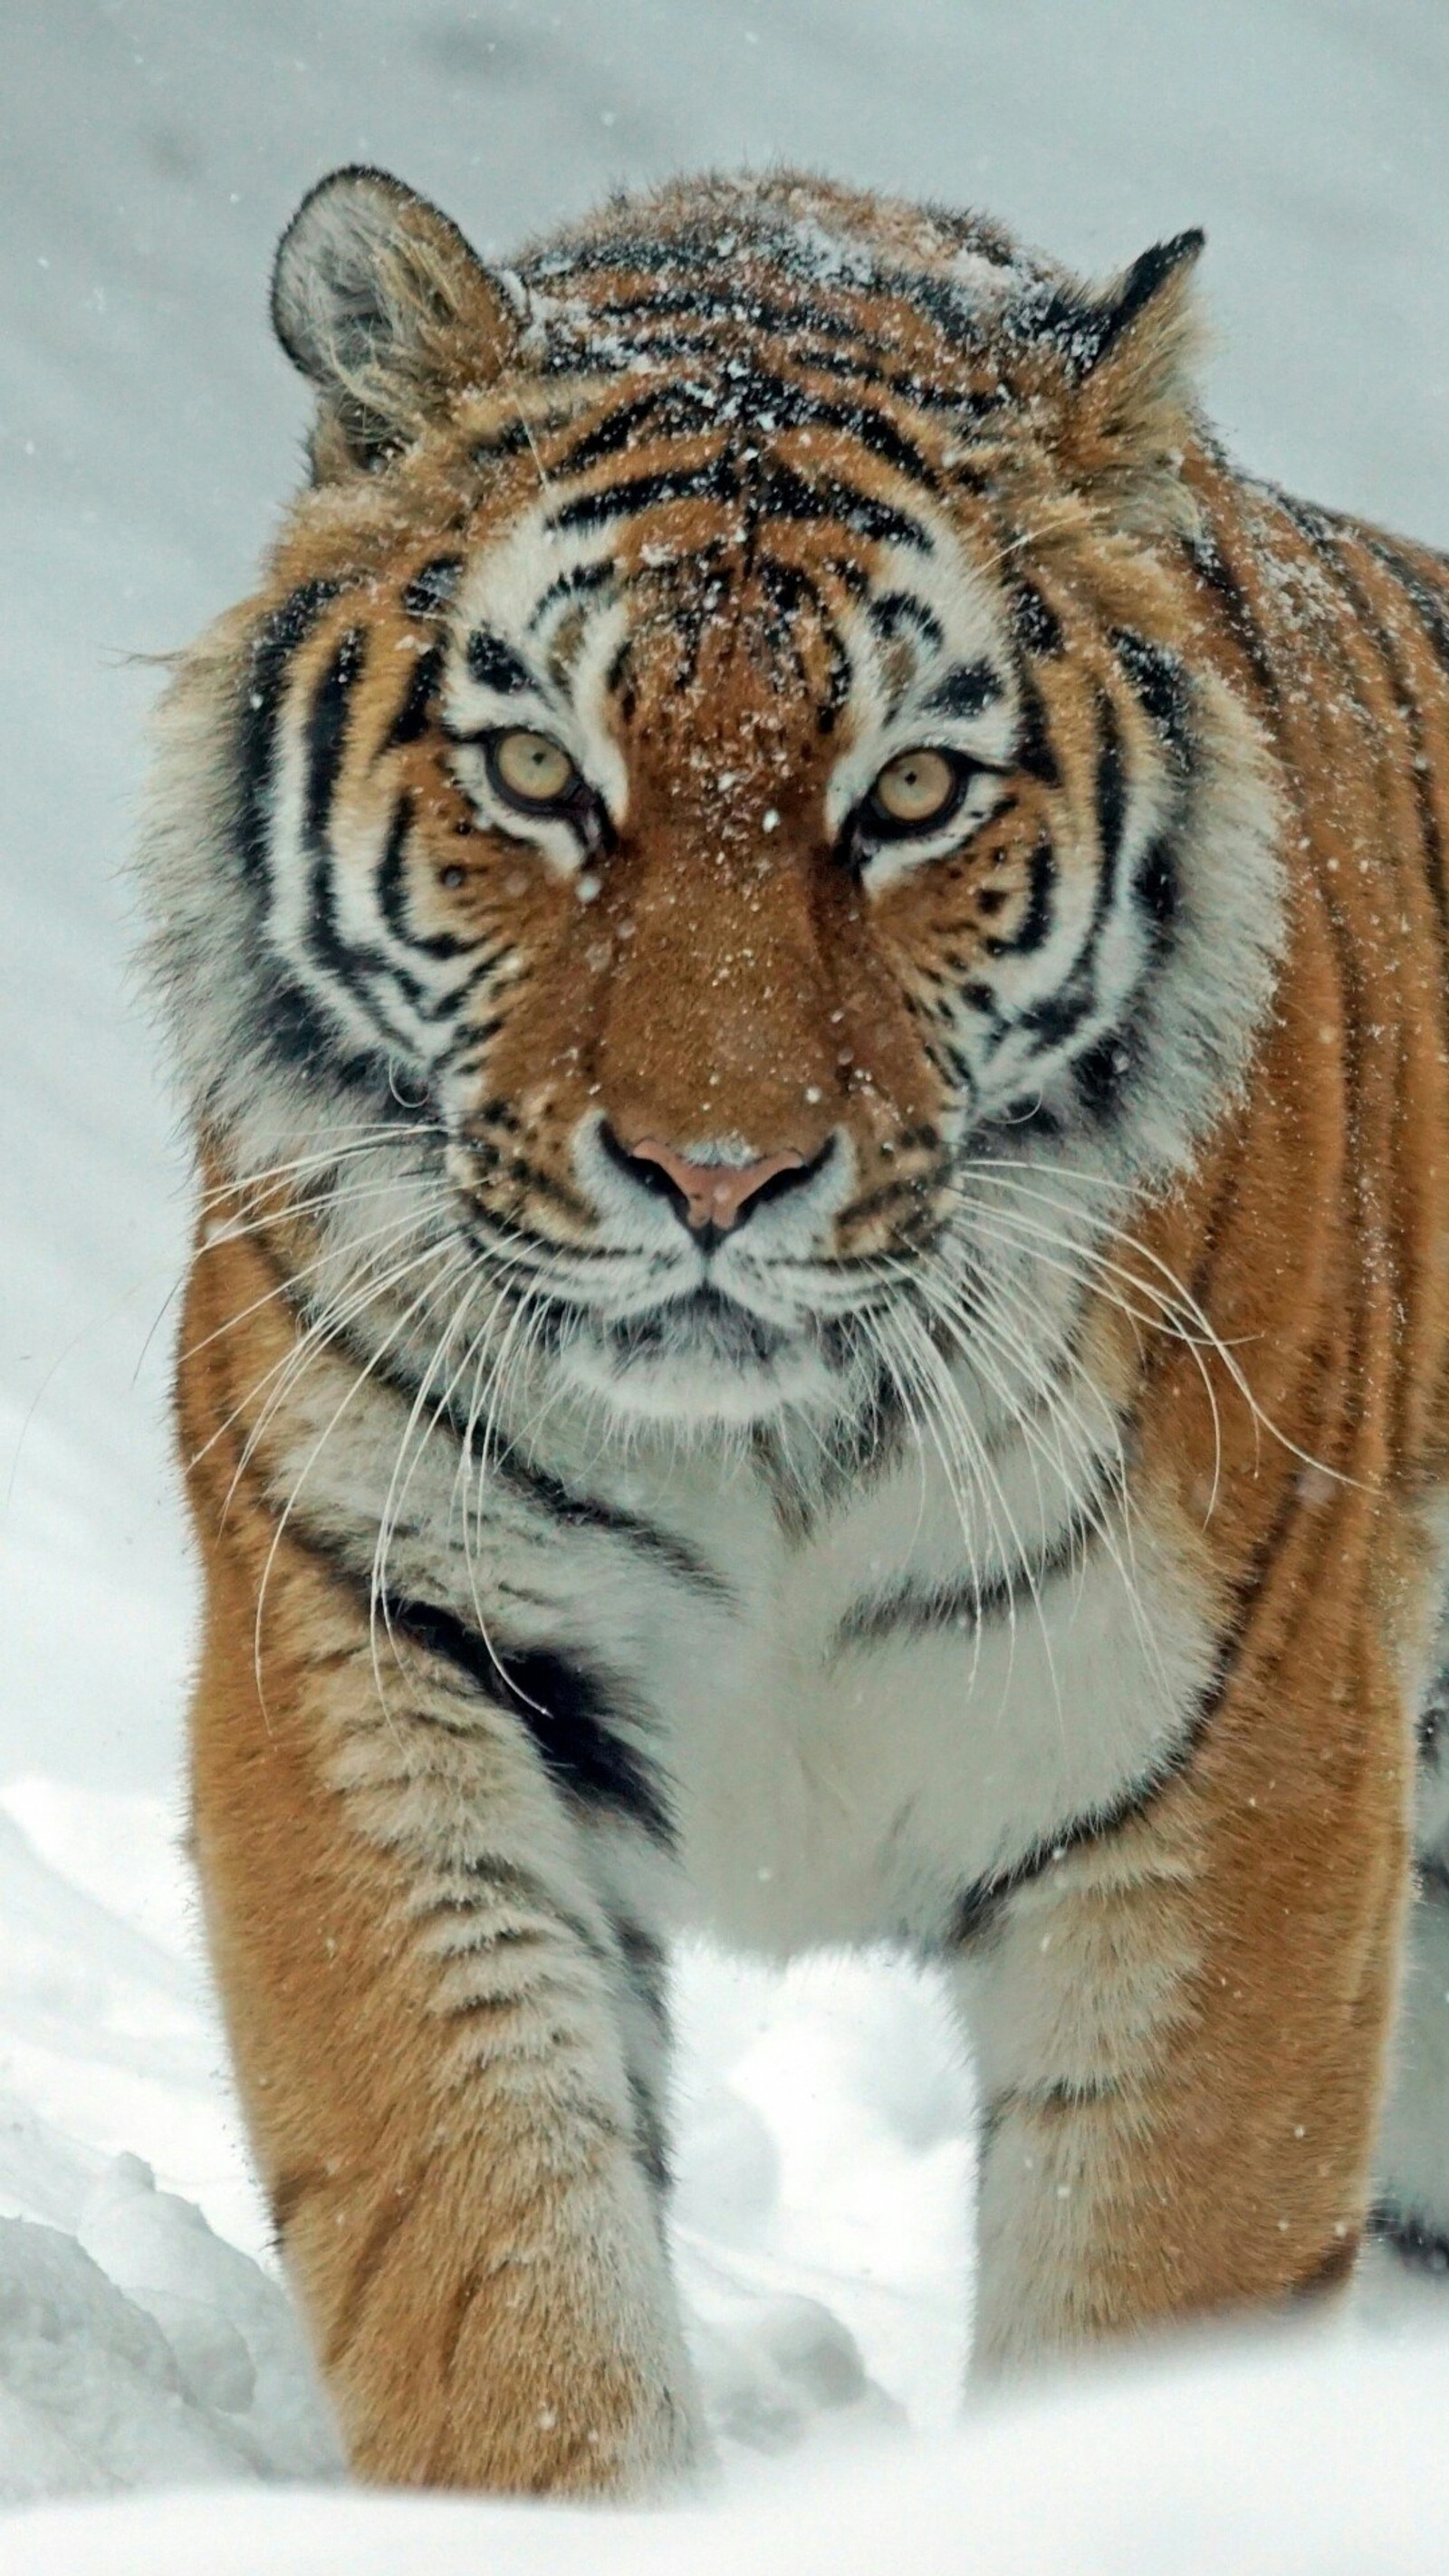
(1181,2026)
(437,2029)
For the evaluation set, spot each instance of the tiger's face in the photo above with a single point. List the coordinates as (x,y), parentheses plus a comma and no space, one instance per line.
(734,814)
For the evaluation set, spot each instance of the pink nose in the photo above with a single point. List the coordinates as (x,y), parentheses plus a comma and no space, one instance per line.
(715,1193)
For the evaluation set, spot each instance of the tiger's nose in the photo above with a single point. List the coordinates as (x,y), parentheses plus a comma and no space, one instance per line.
(708,1197)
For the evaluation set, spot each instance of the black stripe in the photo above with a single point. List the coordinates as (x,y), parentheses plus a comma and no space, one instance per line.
(978,1911)
(521,1236)
(716,480)
(513,436)
(392,897)
(268,662)
(912,1610)
(706,311)
(857,1450)
(1157,883)
(1101,1075)
(752,393)
(1159,682)
(287,1024)
(870,371)
(646,1963)
(355,965)
(1104,1073)
(1037,921)
(609,1520)
(1426,608)
(780,643)
(575,584)
(1416,2241)
(432,586)
(1043,2099)
(725,299)
(890,610)
(1212,571)
(651,2146)
(966,690)
(673,411)
(327,730)
(1430,608)
(568,1710)
(787,495)
(514,1884)
(910,1193)
(866,427)
(980,997)
(1110,795)
(411,720)
(775,491)
(495,665)
(671,254)
(866,369)
(1037,625)
(1057,1018)
(1034,751)
(531,1484)
(1028,1116)
(771,243)
(294,1032)
(789,588)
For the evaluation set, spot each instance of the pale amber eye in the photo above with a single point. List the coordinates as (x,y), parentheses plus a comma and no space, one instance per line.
(916,788)
(532,769)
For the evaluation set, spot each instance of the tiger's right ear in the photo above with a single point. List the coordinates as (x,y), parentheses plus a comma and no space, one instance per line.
(378,298)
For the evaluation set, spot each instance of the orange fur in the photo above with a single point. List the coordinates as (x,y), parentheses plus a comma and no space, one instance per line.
(1195,2126)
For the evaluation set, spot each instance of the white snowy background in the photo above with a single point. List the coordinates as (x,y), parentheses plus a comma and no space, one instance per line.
(148,434)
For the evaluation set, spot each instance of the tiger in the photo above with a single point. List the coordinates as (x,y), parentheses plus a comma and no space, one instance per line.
(805,943)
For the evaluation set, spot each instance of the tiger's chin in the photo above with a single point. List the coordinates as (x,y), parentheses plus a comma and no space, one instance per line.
(700,1362)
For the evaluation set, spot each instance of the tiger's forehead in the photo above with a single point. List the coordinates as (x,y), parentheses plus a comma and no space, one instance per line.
(785,275)
(789,611)
(743,485)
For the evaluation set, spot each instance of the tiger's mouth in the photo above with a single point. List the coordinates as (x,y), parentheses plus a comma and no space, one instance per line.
(702,1356)
(708,1324)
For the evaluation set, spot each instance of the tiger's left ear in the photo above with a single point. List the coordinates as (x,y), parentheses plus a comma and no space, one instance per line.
(378,298)
(1131,361)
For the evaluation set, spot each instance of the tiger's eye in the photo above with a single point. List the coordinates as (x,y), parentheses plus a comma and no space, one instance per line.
(532,769)
(916,788)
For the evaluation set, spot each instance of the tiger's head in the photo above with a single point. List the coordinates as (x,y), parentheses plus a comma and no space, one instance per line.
(721,758)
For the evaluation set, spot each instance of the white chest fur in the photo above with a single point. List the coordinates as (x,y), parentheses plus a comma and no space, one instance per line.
(888,1711)
(855,1716)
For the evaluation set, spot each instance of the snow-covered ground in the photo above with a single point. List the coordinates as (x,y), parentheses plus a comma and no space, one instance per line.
(151,151)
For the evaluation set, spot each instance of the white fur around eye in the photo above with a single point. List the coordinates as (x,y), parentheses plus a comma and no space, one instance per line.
(882,863)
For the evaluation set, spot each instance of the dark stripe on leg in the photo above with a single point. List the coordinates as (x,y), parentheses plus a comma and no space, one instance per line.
(977,1914)
(569,1712)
